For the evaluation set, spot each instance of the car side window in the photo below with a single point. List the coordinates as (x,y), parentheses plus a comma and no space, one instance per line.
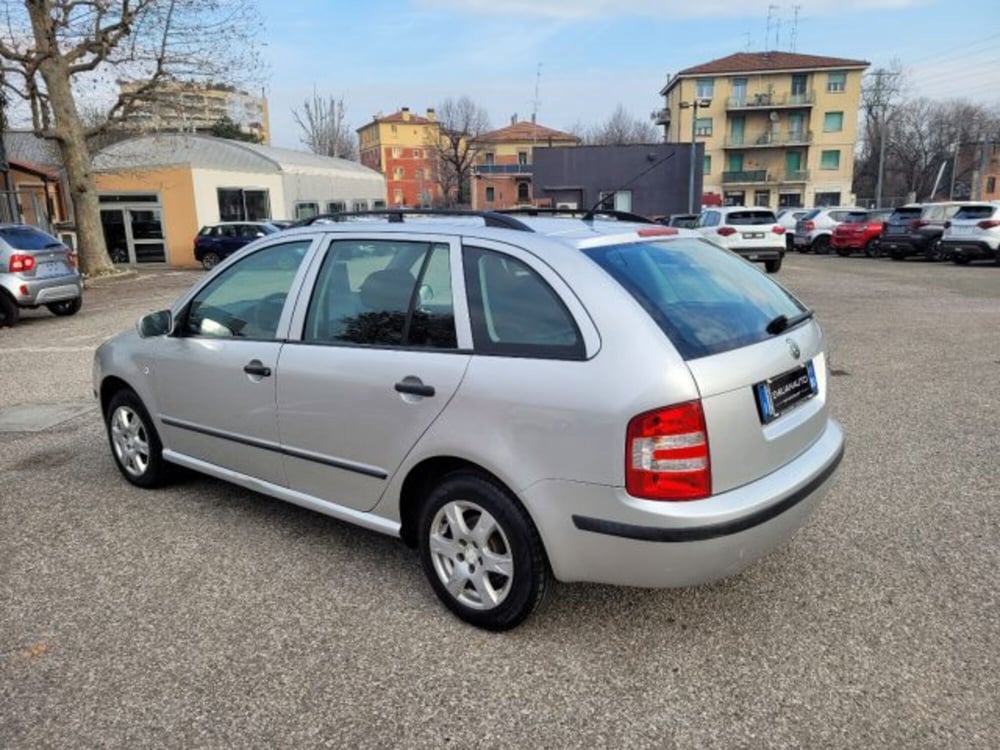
(246,300)
(383,293)
(710,219)
(514,312)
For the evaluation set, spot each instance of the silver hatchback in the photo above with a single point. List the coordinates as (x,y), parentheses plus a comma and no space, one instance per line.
(36,269)
(517,398)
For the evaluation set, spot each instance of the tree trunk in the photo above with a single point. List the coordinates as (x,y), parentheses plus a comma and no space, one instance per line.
(68,132)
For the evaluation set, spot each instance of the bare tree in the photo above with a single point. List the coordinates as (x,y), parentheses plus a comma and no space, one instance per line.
(324,127)
(462,122)
(619,129)
(50,49)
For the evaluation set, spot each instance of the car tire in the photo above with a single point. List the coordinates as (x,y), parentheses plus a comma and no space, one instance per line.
(843,252)
(821,245)
(872,248)
(960,260)
(896,255)
(934,252)
(210,260)
(66,307)
(135,444)
(772,266)
(481,552)
(9,311)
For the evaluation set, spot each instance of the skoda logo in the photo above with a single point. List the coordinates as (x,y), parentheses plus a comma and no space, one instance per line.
(793,348)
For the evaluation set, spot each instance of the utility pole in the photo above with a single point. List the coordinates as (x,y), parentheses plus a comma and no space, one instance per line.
(693,106)
(954,170)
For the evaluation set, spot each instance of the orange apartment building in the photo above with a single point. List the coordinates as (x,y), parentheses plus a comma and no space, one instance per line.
(402,146)
(502,168)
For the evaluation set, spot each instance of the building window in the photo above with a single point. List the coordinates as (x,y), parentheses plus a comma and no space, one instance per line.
(836,82)
(762,197)
(378,205)
(417,153)
(360,205)
(419,174)
(396,152)
(703,126)
(397,173)
(522,157)
(829,160)
(306,209)
(826,199)
(707,164)
(392,129)
(397,197)
(335,207)
(523,193)
(490,158)
(789,200)
(991,184)
(833,122)
(704,88)
(490,194)
(238,204)
(619,200)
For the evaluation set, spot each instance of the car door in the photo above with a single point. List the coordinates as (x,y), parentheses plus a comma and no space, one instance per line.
(215,377)
(383,344)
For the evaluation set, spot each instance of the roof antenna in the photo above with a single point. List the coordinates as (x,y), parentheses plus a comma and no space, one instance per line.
(535,103)
(770,17)
(795,25)
(748,35)
(589,216)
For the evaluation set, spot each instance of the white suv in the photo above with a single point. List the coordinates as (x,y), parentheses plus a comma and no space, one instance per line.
(973,234)
(753,233)
(814,230)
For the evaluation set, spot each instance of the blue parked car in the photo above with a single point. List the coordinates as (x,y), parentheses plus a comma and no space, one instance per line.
(218,241)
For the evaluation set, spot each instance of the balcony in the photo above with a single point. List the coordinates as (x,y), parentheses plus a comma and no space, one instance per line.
(801,175)
(771,100)
(755,176)
(509,169)
(771,139)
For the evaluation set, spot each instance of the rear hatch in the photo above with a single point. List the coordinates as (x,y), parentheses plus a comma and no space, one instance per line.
(35,254)
(971,223)
(903,221)
(807,223)
(762,385)
(854,224)
(752,228)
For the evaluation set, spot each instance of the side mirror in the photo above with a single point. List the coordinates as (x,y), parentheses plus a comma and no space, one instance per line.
(155,324)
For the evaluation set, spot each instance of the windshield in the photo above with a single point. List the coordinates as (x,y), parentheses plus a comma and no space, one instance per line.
(704,298)
(28,238)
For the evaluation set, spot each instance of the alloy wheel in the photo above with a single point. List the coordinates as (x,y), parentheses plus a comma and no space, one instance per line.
(130,441)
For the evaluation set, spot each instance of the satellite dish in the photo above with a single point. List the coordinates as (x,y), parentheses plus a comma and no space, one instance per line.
(773,116)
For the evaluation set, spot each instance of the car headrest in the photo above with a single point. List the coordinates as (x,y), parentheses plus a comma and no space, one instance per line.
(389,289)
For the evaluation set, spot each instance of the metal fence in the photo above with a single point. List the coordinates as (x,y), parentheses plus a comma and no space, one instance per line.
(10,213)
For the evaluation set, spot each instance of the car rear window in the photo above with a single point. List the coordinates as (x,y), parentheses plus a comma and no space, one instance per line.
(906,214)
(28,238)
(856,217)
(975,212)
(810,215)
(739,218)
(705,300)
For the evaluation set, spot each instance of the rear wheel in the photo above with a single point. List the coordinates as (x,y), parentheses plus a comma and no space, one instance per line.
(872,248)
(66,307)
(843,252)
(960,259)
(821,245)
(896,255)
(210,260)
(9,312)
(772,266)
(135,444)
(481,552)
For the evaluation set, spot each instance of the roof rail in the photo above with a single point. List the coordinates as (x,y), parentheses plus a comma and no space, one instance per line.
(396,215)
(608,213)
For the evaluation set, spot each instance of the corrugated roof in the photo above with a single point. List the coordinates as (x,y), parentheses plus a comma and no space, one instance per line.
(26,146)
(525,131)
(206,152)
(760,62)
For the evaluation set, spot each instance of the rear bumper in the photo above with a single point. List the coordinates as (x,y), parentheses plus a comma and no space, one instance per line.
(600,534)
(34,292)
(904,245)
(970,249)
(759,253)
(851,242)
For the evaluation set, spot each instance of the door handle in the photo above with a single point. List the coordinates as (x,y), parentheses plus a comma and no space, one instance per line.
(256,367)
(414,386)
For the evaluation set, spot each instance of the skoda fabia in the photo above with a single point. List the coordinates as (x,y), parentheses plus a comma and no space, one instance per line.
(518,398)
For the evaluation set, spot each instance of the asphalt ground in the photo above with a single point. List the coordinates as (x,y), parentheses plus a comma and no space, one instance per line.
(206,616)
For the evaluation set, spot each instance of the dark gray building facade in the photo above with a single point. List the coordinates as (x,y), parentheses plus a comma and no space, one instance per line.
(651,179)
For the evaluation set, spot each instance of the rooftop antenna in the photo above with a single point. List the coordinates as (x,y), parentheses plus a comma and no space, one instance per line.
(748,35)
(777,33)
(535,104)
(795,24)
(770,17)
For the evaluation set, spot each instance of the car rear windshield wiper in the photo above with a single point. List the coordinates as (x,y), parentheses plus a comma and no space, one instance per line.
(783,322)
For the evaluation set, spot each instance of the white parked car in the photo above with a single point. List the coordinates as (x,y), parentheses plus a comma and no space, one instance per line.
(753,233)
(973,234)
(814,230)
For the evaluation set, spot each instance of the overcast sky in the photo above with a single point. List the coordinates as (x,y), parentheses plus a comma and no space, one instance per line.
(380,55)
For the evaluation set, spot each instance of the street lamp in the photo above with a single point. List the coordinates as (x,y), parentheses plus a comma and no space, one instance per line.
(693,106)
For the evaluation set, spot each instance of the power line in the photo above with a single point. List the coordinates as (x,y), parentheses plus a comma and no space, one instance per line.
(964,52)
(950,75)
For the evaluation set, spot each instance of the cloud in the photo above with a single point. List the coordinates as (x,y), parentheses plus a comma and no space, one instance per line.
(592,9)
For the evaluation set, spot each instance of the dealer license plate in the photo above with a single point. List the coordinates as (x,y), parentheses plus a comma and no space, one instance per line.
(784,392)
(753,235)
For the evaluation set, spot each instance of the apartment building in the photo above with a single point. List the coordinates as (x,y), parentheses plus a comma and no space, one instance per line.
(403,147)
(190,107)
(779,128)
(504,162)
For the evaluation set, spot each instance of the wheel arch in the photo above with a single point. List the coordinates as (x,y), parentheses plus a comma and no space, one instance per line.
(111,385)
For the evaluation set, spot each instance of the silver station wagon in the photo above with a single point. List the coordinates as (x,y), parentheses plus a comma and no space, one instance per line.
(517,397)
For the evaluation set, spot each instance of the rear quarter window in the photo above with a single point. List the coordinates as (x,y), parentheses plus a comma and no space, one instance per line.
(705,300)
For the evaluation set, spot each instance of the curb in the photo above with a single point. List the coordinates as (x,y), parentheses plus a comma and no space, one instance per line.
(124,275)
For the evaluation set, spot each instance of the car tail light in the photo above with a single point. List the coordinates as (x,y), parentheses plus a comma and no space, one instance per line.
(917,223)
(19,262)
(656,231)
(726,231)
(666,454)
(73,260)
(988,224)
(809,225)
(779,229)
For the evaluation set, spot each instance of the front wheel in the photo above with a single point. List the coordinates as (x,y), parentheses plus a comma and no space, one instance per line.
(9,311)
(135,444)
(772,266)
(481,552)
(210,260)
(872,248)
(821,245)
(66,307)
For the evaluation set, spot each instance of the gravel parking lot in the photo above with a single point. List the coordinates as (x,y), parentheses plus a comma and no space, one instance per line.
(204,615)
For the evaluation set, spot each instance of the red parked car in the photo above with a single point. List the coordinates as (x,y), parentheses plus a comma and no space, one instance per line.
(861,230)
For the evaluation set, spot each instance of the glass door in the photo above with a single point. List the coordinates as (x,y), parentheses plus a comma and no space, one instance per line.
(736,126)
(115,234)
(134,234)
(739,91)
